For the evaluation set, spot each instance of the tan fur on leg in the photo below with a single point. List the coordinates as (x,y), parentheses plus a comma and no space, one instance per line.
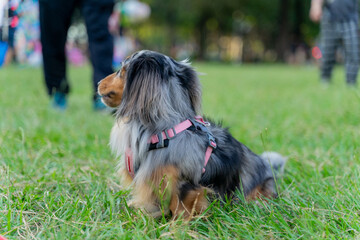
(155,195)
(195,202)
(260,192)
(126,179)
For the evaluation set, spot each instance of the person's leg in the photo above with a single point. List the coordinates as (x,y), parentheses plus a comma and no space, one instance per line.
(9,58)
(329,43)
(96,16)
(351,45)
(55,19)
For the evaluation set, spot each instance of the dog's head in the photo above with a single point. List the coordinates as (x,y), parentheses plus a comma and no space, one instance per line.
(111,88)
(151,86)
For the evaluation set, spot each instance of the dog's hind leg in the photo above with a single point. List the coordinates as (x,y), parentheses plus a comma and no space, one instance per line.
(265,190)
(275,163)
(191,200)
(265,169)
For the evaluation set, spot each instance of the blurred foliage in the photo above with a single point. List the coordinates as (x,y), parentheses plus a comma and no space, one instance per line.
(278,26)
(267,28)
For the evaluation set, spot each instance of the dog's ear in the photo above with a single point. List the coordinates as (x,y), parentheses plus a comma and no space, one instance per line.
(158,87)
(143,96)
(190,82)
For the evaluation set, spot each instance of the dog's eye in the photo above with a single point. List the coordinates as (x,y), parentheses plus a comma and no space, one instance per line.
(110,94)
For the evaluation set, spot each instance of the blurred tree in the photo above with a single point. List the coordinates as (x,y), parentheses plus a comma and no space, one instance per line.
(283,40)
(278,24)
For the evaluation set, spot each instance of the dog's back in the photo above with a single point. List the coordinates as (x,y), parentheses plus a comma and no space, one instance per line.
(233,166)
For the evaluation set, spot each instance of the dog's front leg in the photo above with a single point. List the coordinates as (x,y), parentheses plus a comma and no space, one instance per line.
(156,194)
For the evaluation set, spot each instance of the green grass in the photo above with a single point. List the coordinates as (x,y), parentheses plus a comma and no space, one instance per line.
(58,179)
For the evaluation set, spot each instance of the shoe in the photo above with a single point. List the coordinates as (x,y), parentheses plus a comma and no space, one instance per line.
(325,83)
(59,101)
(351,84)
(324,80)
(99,106)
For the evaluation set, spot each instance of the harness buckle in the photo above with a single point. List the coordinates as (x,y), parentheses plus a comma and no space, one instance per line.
(167,133)
(212,142)
(161,143)
(200,120)
(198,125)
(202,126)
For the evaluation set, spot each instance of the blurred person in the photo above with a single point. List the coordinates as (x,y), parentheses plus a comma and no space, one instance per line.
(8,24)
(339,25)
(55,20)
(129,12)
(3,34)
(27,38)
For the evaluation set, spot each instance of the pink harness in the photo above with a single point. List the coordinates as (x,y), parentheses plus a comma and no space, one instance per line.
(158,140)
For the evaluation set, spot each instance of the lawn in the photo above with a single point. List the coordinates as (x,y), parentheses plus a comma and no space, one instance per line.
(58,178)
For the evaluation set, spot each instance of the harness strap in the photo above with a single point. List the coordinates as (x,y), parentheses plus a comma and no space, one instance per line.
(211,144)
(129,163)
(170,133)
(156,141)
(161,140)
(209,149)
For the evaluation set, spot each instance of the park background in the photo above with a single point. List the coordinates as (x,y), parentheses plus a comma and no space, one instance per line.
(58,178)
(238,31)
(226,31)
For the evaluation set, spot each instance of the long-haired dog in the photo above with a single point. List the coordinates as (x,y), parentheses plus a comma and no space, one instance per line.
(170,155)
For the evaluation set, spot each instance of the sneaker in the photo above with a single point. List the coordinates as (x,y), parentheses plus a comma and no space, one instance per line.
(99,106)
(325,83)
(59,101)
(351,84)
(324,80)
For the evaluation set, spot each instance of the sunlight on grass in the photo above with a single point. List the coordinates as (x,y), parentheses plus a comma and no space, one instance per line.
(58,178)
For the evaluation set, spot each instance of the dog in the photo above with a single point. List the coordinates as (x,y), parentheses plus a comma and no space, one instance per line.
(171,156)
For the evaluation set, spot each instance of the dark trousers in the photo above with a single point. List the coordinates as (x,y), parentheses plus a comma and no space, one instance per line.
(55,20)
(333,35)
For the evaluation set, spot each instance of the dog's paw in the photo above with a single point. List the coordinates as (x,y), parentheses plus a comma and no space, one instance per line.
(132,203)
(148,208)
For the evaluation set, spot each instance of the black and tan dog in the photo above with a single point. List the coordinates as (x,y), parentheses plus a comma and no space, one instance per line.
(167,152)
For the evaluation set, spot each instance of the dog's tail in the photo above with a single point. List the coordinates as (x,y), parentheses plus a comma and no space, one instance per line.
(276,160)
